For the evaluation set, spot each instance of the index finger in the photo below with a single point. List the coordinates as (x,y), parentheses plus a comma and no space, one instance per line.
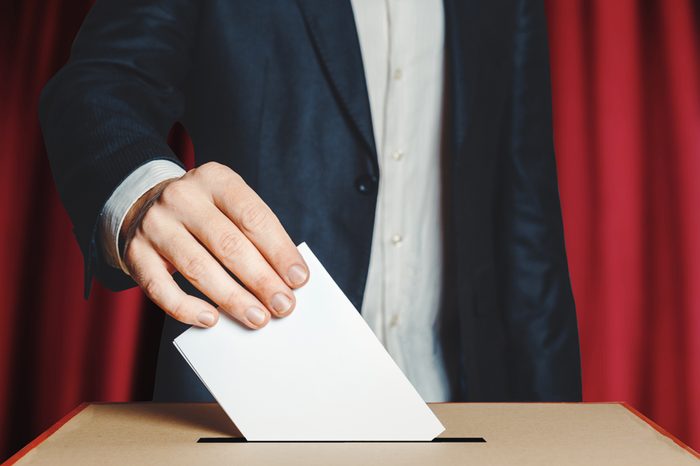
(262,227)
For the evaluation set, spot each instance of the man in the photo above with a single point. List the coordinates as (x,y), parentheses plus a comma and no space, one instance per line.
(455,254)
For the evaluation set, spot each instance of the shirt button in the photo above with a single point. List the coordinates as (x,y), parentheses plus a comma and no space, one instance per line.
(396,239)
(398,155)
(398,74)
(394,320)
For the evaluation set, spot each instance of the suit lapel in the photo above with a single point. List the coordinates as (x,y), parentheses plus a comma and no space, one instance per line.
(331,24)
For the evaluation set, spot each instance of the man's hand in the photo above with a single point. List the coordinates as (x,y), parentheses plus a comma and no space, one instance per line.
(203,224)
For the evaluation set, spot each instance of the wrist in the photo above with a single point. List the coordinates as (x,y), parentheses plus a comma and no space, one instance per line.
(137,210)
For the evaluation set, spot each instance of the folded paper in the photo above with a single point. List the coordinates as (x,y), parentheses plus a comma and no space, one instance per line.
(318,374)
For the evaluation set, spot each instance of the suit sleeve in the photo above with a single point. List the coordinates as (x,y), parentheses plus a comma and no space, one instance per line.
(109,109)
(539,310)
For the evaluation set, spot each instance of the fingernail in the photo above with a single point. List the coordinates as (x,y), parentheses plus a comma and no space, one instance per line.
(206,318)
(297,274)
(281,303)
(255,315)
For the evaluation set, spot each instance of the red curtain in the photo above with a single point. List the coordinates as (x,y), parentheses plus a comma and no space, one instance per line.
(626,84)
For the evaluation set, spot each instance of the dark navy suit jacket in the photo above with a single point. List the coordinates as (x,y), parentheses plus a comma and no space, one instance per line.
(275,89)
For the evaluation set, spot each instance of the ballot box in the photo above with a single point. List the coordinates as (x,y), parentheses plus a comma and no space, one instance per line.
(476,433)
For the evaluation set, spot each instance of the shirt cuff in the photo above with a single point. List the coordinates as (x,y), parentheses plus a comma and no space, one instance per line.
(123,198)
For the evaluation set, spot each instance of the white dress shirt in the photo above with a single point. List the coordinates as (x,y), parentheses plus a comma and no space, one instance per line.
(402,44)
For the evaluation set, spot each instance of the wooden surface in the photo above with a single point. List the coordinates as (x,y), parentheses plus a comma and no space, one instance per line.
(523,434)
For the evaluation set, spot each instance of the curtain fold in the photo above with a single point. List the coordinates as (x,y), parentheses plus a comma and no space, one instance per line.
(626,89)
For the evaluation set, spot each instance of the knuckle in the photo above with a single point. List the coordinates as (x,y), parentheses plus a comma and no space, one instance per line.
(230,302)
(230,244)
(253,216)
(211,170)
(194,269)
(178,312)
(234,183)
(174,193)
(215,174)
(210,167)
(235,178)
(191,173)
(152,288)
(150,220)
(260,283)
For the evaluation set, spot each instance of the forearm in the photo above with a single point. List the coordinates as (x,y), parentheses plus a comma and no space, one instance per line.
(109,110)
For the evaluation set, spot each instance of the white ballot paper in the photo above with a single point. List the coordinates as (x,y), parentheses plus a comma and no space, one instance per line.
(319,374)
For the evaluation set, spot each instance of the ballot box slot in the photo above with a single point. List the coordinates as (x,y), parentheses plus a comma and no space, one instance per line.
(436,440)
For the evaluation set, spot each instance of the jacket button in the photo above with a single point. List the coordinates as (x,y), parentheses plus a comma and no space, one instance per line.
(366,184)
